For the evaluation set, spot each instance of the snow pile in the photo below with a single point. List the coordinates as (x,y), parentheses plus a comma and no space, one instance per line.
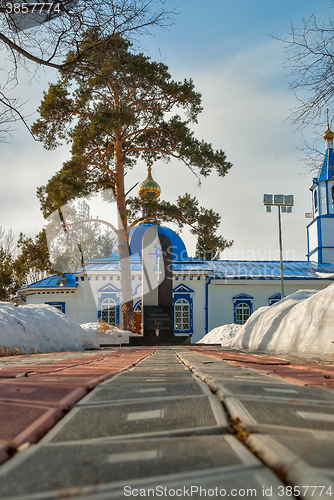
(41,327)
(112,336)
(300,324)
(221,335)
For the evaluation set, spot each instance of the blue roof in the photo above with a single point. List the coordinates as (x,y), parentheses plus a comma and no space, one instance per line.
(232,269)
(215,269)
(326,171)
(248,269)
(54,281)
(136,237)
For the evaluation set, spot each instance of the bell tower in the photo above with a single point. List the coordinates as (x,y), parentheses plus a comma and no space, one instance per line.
(320,232)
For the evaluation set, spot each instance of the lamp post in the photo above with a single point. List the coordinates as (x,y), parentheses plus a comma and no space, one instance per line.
(284,204)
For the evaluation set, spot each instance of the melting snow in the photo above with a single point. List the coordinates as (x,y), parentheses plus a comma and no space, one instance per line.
(47,329)
(300,324)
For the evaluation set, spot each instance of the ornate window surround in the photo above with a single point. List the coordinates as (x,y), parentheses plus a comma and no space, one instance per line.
(242,298)
(182,291)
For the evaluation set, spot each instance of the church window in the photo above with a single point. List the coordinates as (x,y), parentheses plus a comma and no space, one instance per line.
(57,305)
(108,311)
(138,307)
(181,313)
(274,298)
(242,313)
(315,200)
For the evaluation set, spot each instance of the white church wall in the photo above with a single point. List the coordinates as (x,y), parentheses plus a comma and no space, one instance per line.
(221,293)
(64,298)
(327,256)
(86,303)
(327,233)
(313,236)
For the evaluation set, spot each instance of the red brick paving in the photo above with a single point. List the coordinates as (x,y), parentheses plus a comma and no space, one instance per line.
(60,397)
(308,374)
(34,397)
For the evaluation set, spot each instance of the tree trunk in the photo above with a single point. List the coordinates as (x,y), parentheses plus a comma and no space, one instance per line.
(123,242)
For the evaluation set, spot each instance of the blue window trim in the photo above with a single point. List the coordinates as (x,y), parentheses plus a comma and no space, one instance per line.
(62,304)
(274,298)
(136,304)
(105,296)
(242,299)
(190,302)
(186,294)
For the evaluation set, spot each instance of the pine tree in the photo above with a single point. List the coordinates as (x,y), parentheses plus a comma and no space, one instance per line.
(114,108)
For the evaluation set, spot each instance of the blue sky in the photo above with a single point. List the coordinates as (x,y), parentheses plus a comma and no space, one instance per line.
(226,47)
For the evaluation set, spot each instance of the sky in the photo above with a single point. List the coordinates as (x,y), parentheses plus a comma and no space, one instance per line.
(229,48)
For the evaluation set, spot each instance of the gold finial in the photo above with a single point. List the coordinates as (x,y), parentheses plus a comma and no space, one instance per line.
(328,135)
(149,189)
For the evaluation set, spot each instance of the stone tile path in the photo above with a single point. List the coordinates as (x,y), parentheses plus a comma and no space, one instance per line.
(169,421)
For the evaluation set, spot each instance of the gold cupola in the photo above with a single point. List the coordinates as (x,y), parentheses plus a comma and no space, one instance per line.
(149,189)
(328,135)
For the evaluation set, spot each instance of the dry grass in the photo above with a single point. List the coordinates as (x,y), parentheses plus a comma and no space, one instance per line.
(103,326)
(8,351)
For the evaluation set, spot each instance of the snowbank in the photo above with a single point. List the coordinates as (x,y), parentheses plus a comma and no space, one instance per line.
(300,324)
(112,336)
(41,327)
(221,335)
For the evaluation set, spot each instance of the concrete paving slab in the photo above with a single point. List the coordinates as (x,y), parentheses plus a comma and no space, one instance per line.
(315,449)
(149,418)
(259,415)
(242,378)
(256,482)
(22,423)
(161,368)
(132,377)
(111,392)
(303,460)
(52,396)
(278,391)
(88,464)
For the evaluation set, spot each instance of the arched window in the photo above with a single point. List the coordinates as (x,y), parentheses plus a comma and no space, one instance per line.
(108,311)
(242,313)
(181,314)
(138,307)
(315,200)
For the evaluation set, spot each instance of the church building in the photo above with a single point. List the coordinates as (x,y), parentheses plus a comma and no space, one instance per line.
(206,293)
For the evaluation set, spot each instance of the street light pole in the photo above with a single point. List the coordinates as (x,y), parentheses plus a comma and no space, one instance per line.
(280,250)
(284,203)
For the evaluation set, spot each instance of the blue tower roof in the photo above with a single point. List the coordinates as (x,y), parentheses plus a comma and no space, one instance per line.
(326,171)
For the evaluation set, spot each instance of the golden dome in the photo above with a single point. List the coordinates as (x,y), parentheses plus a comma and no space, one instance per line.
(328,135)
(149,189)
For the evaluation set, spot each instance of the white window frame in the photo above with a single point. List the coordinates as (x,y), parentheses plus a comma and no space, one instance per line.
(109,305)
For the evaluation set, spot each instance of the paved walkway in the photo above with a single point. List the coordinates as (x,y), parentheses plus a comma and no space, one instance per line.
(162,422)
